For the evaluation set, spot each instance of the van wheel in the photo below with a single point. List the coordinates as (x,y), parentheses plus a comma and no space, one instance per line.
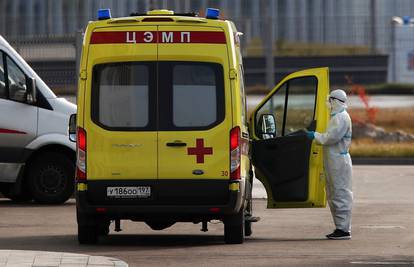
(248,212)
(88,229)
(234,228)
(248,228)
(51,178)
(103,228)
(87,235)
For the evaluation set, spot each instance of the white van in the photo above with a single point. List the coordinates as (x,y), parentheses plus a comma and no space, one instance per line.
(36,157)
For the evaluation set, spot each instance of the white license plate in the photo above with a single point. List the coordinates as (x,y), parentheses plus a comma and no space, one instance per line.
(129,192)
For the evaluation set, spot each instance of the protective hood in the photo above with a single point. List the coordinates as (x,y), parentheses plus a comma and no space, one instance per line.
(337,106)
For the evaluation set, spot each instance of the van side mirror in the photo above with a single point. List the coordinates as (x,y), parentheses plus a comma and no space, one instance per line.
(267,126)
(31,95)
(72,128)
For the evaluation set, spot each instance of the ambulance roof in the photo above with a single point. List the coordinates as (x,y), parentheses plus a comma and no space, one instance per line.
(160,17)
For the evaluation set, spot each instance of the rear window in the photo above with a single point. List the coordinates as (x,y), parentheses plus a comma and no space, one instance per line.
(121,93)
(158,95)
(194,96)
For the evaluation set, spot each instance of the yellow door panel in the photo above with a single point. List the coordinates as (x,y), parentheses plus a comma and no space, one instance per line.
(192,43)
(120,103)
(205,154)
(121,155)
(195,114)
(288,164)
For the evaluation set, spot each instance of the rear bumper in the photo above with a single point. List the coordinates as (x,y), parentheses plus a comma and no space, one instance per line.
(177,200)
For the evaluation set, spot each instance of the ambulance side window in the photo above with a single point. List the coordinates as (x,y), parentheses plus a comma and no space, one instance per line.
(2,80)
(275,105)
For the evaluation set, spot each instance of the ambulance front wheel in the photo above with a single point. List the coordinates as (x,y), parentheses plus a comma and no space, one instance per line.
(234,228)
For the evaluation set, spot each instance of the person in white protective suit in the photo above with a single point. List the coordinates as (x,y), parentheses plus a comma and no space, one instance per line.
(338,165)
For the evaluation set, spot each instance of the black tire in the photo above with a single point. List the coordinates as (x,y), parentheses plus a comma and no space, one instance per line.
(234,228)
(248,229)
(87,235)
(88,229)
(103,228)
(249,211)
(50,178)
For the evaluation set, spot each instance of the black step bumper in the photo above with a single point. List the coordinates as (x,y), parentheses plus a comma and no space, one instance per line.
(178,200)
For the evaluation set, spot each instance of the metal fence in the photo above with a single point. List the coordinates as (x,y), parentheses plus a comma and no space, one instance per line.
(356,26)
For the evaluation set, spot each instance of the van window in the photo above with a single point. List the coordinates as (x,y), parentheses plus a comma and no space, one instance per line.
(292,105)
(194,96)
(2,81)
(17,81)
(121,95)
(300,104)
(275,106)
(162,96)
(190,95)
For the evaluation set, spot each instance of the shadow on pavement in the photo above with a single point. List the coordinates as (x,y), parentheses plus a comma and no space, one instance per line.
(4,202)
(69,243)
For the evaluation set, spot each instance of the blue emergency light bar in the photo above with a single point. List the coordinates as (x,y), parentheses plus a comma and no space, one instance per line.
(104,14)
(212,13)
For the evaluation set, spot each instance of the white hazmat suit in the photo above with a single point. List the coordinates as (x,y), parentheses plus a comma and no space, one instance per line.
(337,161)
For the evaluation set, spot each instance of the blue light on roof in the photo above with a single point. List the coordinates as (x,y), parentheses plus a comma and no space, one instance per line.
(104,14)
(212,13)
(406,20)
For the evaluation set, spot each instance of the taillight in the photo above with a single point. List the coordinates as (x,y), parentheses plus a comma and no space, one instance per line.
(81,154)
(235,153)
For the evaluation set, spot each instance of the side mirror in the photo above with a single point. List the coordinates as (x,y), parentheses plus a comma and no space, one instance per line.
(267,126)
(72,128)
(31,95)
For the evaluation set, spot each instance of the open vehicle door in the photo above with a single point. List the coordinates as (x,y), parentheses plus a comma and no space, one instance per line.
(289,164)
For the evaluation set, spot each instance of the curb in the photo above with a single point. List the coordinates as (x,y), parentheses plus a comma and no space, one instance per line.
(32,258)
(382,161)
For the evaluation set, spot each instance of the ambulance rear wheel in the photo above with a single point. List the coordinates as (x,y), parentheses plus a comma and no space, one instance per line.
(248,228)
(234,228)
(88,228)
(103,228)
(87,235)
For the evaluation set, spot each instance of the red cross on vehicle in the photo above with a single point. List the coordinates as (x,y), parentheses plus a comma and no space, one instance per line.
(200,150)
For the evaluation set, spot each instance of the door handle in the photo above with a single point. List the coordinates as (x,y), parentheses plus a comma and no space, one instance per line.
(176,144)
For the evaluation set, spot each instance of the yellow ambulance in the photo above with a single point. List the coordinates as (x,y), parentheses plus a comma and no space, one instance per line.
(162,130)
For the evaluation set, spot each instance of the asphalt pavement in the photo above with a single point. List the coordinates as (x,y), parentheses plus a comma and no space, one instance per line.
(382,233)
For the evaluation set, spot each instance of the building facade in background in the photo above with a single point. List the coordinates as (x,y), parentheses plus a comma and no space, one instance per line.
(350,22)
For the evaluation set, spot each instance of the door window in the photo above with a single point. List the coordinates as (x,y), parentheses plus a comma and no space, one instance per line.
(121,96)
(190,95)
(16,80)
(300,104)
(194,96)
(293,106)
(2,80)
(275,106)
